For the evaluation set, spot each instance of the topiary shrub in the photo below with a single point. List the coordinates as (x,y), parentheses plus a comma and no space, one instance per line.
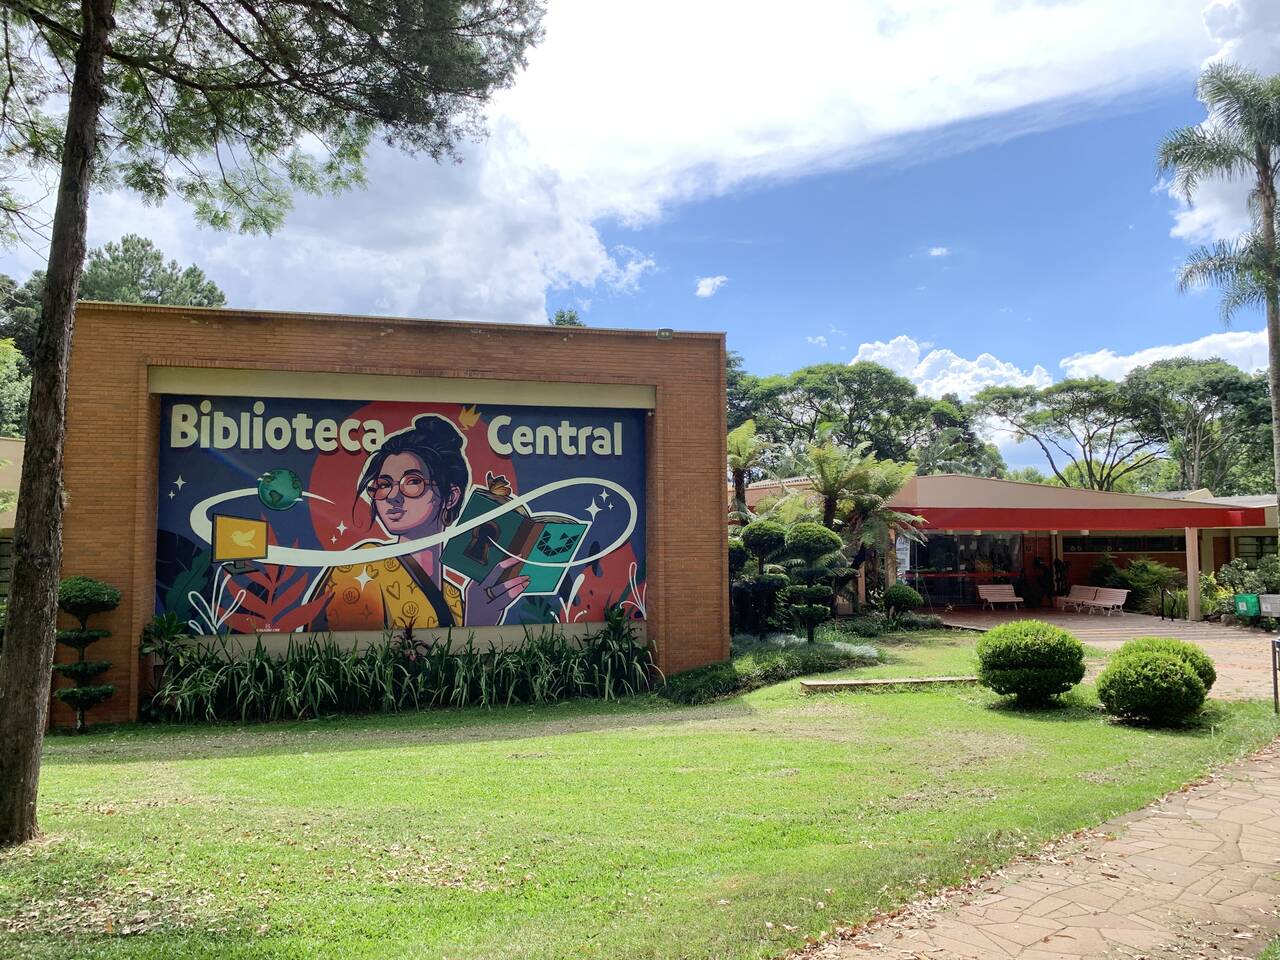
(1193,656)
(737,557)
(82,598)
(1151,687)
(1031,660)
(900,598)
(808,606)
(764,540)
(810,543)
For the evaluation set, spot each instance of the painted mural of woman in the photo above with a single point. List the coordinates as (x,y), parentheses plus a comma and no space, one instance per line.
(414,486)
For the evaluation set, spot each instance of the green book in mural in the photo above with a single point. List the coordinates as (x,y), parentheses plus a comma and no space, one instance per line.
(539,540)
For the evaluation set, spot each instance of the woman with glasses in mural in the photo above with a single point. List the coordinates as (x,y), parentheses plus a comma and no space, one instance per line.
(414,486)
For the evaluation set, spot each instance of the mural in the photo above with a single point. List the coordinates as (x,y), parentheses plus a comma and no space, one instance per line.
(306,515)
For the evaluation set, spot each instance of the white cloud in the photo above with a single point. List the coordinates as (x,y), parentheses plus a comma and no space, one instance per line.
(939,252)
(942,371)
(707,286)
(1246,32)
(1246,349)
(818,341)
(876,72)
(489,238)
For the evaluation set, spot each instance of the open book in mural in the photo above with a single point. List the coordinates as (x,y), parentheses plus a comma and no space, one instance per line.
(303,514)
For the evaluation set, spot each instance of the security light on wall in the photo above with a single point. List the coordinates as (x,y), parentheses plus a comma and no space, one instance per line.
(665,333)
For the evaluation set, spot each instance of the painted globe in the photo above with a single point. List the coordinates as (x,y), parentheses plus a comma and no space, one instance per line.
(279,489)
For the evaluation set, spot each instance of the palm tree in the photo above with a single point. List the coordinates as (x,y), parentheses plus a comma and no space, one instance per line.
(746,453)
(854,490)
(1240,140)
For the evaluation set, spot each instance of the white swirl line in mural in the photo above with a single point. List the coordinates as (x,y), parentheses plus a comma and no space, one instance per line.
(202,527)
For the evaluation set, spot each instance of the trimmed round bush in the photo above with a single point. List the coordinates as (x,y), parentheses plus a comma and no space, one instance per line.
(1032,660)
(1151,687)
(82,597)
(900,598)
(737,556)
(764,539)
(809,541)
(1189,653)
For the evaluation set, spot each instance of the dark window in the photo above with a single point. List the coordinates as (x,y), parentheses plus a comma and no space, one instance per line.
(1128,544)
(994,553)
(1253,549)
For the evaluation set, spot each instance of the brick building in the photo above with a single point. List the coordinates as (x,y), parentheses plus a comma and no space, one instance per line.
(209,395)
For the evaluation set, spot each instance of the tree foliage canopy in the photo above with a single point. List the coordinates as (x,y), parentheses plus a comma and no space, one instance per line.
(1085,428)
(1207,413)
(566,318)
(234,105)
(131,271)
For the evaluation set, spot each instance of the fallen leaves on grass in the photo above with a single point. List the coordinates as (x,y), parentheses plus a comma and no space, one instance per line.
(112,911)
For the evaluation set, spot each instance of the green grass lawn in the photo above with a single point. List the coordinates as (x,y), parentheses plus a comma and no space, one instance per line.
(1272,952)
(940,653)
(638,830)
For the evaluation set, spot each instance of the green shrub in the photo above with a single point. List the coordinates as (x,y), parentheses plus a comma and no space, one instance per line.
(761,668)
(865,627)
(920,621)
(764,540)
(1174,604)
(1214,598)
(900,598)
(704,684)
(1031,660)
(1143,577)
(1193,656)
(1237,577)
(82,597)
(1151,687)
(316,676)
(737,556)
(808,606)
(809,543)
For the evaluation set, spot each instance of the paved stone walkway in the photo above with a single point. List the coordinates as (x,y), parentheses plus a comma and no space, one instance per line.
(1195,875)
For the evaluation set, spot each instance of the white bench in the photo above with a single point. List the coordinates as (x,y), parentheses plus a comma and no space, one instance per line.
(993,593)
(1107,599)
(1078,597)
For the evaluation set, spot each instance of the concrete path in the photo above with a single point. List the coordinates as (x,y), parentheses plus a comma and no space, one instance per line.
(1241,656)
(1195,875)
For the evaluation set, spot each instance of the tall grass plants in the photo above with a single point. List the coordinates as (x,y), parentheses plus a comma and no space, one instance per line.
(215,679)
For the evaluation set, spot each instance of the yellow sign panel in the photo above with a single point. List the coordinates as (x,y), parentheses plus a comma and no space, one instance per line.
(238,538)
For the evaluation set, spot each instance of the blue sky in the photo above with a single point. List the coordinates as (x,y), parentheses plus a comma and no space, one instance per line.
(1044,245)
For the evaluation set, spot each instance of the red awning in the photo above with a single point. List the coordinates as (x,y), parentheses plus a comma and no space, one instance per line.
(1033,518)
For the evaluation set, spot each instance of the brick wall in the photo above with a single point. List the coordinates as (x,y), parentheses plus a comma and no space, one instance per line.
(113,420)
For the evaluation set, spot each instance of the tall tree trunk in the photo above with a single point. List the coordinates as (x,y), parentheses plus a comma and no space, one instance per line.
(1267,213)
(37,543)
(740,487)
